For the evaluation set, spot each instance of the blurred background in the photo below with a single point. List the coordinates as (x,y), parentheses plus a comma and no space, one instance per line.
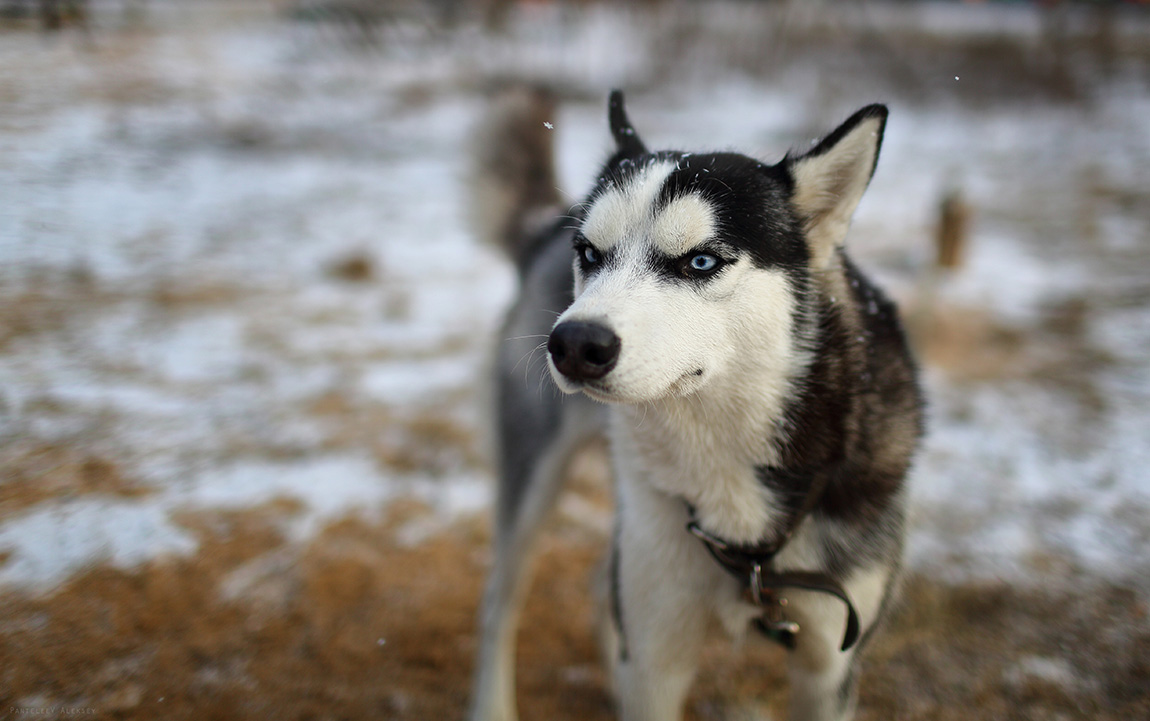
(245,330)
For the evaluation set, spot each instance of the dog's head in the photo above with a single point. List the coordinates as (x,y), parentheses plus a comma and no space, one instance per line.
(695,267)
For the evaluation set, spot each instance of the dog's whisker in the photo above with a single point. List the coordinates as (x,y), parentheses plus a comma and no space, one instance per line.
(532,356)
(528,356)
(643,420)
(543,378)
(532,360)
(535,381)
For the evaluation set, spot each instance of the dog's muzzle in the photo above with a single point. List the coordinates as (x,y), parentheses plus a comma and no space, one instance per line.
(583,351)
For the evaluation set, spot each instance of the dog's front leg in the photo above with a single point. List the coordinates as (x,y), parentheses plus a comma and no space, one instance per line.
(822,678)
(824,683)
(533,460)
(664,585)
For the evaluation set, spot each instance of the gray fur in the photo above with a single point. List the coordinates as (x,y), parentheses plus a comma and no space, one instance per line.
(513,187)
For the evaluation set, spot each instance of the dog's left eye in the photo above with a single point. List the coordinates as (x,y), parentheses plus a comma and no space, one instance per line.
(702,263)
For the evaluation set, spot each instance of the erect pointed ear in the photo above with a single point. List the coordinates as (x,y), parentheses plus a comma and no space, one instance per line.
(830,179)
(627,142)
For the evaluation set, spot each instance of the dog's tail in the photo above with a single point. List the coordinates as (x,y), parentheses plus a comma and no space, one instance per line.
(513,189)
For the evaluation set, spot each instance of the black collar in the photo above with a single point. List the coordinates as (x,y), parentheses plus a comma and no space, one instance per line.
(751,565)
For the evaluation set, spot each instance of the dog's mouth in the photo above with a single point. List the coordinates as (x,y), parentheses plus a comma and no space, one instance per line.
(598,389)
(605,392)
(686,383)
(600,394)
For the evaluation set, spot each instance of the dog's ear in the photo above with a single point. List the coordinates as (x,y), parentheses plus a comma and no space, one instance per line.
(829,180)
(627,142)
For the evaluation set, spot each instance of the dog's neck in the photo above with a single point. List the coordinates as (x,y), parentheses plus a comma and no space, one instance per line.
(706,447)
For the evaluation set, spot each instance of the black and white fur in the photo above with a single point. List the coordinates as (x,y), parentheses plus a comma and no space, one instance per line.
(712,325)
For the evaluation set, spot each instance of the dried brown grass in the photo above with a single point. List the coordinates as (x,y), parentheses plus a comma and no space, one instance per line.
(35,472)
(356,625)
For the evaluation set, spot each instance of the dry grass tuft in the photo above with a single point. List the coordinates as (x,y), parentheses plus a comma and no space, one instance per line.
(355,268)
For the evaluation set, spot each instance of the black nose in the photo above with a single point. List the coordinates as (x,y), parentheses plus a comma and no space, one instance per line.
(583,351)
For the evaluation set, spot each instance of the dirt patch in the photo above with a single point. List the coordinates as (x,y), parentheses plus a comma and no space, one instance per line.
(36,472)
(357,625)
(354,268)
(971,345)
(431,440)
(46,302)
(995,651)
(175,295)
(428,442)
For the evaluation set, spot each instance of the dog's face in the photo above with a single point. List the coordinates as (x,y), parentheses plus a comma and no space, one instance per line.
(683,265)
(691,269)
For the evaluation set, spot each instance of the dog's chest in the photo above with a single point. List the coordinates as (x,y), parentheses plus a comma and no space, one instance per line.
(712,471)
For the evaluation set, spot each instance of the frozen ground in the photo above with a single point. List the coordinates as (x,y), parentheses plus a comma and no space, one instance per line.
(243,332)
(213,232)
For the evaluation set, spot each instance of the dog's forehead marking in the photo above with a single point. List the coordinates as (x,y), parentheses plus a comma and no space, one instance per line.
(623,210)
(683,224)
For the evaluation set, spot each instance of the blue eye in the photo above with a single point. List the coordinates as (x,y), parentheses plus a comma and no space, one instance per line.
(590,255)
(704,262)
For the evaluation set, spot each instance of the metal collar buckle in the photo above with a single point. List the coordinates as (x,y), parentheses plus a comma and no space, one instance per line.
(772,619)
(757,584)
(713,541)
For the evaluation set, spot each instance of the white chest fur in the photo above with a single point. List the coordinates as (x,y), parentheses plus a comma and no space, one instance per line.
(706,454)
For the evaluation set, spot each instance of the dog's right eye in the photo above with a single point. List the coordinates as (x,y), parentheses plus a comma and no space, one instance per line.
(589,254)
(698,265)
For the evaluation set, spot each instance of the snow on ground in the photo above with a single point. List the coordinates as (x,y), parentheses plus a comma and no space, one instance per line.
(214,231)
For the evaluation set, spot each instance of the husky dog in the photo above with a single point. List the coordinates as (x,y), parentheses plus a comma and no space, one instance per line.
(756,390)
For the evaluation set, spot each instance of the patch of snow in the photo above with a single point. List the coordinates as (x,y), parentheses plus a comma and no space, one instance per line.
(407,383)
(1055,671)
(47,545)
(328,486)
